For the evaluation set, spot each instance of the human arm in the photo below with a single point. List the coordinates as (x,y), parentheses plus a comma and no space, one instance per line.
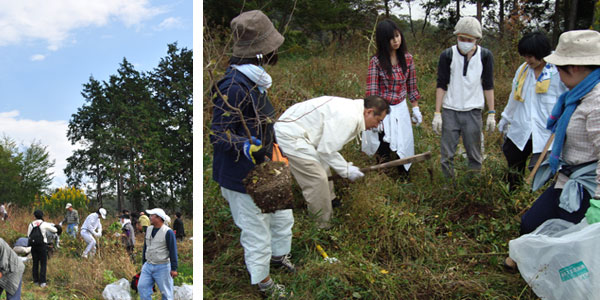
(593,132)
(172,245)
(228,131)
(373,77)
(98,232)
(76,217)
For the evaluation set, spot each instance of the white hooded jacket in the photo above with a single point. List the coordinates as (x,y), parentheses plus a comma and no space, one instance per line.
(318,128)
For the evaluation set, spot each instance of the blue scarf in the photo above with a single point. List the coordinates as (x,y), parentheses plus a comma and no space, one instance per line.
(562,111)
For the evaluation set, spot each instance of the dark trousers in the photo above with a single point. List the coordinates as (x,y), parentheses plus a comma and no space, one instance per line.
(546,207)
(517,160)
(40,260)
(384,154)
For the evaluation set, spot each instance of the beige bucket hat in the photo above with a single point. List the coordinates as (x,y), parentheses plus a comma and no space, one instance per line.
(577,47)
(253,33)
(469,26)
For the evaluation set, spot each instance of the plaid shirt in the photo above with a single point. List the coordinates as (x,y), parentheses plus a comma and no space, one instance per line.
(393,89)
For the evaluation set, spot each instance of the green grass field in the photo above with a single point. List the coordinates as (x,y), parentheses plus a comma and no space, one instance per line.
(424,238)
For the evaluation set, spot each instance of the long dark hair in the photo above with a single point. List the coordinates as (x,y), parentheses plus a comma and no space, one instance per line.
(384,32)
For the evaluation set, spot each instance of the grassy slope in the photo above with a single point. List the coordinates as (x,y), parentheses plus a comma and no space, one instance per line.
(71,277)
(425,238)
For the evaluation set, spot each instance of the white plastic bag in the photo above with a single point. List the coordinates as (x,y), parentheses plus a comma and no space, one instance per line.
(183,292)
(118,290)
(560,260)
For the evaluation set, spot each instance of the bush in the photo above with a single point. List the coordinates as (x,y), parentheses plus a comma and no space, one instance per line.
(58,200)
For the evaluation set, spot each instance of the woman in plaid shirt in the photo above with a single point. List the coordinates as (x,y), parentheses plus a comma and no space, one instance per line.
(392,76)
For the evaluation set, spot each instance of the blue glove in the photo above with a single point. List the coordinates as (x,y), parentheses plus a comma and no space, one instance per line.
(254,152)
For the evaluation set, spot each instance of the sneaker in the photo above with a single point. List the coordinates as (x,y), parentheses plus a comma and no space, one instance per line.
(271,290)
(43,285)
(284,262)
(84,256)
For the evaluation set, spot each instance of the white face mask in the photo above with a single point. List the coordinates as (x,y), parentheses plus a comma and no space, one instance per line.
(465,47)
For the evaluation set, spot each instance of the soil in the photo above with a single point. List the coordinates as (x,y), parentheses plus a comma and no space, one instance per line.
(270,186)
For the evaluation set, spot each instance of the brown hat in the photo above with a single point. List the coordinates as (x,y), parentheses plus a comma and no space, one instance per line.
(253,33)
(576,47)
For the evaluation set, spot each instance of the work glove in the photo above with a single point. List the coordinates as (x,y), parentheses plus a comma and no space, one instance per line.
(60,223)
(417,118)
(255,151)
(379,127)
(76,227)
(437,123)
(490,124)
(503,125)
(354,172)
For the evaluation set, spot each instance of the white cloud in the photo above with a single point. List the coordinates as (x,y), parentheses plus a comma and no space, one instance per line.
(53,21)
(38,57)
(170,23)
(52,134)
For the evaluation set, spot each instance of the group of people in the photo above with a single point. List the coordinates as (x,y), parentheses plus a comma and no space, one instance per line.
(159,254)
(552,93)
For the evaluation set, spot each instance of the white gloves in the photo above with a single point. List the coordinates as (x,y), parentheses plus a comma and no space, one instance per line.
(379,127)
(490,124)
(60,223)
(503,125)
(437,123)
(416,118)
(354,172)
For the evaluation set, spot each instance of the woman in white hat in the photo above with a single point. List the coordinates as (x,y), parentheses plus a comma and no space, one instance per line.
(242,135)
(575,121)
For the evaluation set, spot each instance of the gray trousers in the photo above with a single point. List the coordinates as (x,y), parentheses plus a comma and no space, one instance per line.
(454,125)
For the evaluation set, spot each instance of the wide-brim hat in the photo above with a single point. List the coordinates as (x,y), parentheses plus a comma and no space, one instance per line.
(468,26)
(254,33)
(577,47)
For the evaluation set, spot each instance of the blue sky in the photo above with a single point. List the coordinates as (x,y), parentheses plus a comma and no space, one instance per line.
(48,49)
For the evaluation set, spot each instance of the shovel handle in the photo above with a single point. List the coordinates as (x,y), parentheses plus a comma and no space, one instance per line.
(539,161)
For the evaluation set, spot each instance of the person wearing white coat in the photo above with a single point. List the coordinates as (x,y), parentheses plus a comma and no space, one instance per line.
(311,134)
(92,228)
(535,89)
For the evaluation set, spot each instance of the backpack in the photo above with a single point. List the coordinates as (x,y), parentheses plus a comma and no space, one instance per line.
(36,238)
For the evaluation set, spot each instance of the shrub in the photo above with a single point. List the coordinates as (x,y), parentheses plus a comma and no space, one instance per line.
(58,200)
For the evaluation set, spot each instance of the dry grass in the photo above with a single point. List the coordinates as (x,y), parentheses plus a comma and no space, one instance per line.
(72,277)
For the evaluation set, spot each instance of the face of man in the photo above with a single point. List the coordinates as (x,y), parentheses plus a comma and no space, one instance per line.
(371,119)
(70,208)
(155,220)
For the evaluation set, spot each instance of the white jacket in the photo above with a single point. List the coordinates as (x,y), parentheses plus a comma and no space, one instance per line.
(318,128)
(529,118)
(92,224)
(44,227)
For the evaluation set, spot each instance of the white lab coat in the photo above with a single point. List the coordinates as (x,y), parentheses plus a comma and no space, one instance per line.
(529,118)
(318,128)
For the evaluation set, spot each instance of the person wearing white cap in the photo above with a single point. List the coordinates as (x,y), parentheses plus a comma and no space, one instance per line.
(159,257)
(575,122)
(465,78)
(72,219)
(92,227)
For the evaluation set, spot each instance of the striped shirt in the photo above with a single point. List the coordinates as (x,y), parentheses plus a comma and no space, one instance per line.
(394,89)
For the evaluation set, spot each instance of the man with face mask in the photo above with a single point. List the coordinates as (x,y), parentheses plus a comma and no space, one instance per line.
(465,78)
